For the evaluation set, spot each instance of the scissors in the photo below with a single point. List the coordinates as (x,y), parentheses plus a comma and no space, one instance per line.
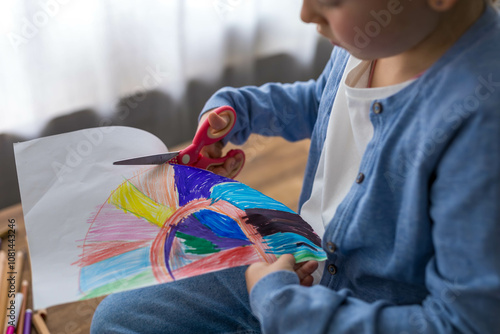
(191,155)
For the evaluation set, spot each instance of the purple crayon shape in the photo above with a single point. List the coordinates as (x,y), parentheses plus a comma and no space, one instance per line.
(10,330)
(27,322)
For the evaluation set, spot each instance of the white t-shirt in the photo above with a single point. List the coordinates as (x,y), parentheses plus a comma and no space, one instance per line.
(349,131)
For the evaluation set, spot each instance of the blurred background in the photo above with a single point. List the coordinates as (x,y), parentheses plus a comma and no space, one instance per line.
(151,64)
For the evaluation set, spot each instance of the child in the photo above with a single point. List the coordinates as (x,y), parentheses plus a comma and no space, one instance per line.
(403,183)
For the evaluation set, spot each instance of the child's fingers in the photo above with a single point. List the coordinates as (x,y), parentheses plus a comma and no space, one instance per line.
(298,265)
(219,170)
(285,262)
(306,269)
(305,263)
(258,270)
(225,170)
(255,272)
(230,167)
(307,281)
(213,151)
(233,165)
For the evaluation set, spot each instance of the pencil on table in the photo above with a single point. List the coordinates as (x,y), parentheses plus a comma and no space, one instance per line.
(18,270)
(27,322)
(24,290)
(39,323)
(18,302)
(4,230)
(3,286)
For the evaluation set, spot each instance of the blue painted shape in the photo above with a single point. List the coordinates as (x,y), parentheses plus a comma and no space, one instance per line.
(244,197)
(194,183)
(220,224)
(291,243)
(114,268)
(192,226)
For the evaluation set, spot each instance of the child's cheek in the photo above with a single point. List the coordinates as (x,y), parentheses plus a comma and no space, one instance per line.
(349,33)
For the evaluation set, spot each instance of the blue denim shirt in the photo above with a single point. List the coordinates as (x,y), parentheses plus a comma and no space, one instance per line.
(415,245)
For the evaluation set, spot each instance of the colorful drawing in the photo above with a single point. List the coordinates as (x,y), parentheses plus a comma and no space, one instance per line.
(173,222)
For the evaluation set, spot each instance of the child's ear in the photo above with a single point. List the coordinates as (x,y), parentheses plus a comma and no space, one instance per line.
(442,5)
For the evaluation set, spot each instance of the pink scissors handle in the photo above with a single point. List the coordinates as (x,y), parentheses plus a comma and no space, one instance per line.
(206,136)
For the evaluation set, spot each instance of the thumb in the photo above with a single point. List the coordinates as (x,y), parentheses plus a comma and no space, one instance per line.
(286,261)
(218,122)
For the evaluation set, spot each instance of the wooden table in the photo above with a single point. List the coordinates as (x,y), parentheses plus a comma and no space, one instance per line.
(274,166)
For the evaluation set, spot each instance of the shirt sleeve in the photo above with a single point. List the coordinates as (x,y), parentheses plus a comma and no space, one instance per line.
(463,276)
(274,109)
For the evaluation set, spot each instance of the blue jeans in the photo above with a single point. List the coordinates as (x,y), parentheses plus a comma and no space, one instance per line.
(211,303)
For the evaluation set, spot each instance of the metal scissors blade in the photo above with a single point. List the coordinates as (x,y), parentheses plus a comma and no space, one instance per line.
(156,159)
(191,155)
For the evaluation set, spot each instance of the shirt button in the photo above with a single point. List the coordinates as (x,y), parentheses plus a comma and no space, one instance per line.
(331,247)
(360,178)
(332,269)
(377,108)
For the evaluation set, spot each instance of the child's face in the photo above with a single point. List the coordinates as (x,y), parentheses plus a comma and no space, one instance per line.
(371,29)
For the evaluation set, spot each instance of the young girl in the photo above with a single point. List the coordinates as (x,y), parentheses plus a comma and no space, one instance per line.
(403,183)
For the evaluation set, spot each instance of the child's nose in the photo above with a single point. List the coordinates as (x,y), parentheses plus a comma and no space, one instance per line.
(309,12)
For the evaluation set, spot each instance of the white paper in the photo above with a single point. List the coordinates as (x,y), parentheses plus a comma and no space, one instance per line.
(96,228)
(53,207)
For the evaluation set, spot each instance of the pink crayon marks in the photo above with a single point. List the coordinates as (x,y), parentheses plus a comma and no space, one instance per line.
(172,222)
(248,245)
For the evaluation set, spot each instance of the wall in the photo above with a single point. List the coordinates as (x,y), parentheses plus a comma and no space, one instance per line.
(156,112)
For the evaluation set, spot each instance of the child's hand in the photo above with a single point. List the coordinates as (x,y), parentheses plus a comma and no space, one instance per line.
(286,262)
(231,165)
